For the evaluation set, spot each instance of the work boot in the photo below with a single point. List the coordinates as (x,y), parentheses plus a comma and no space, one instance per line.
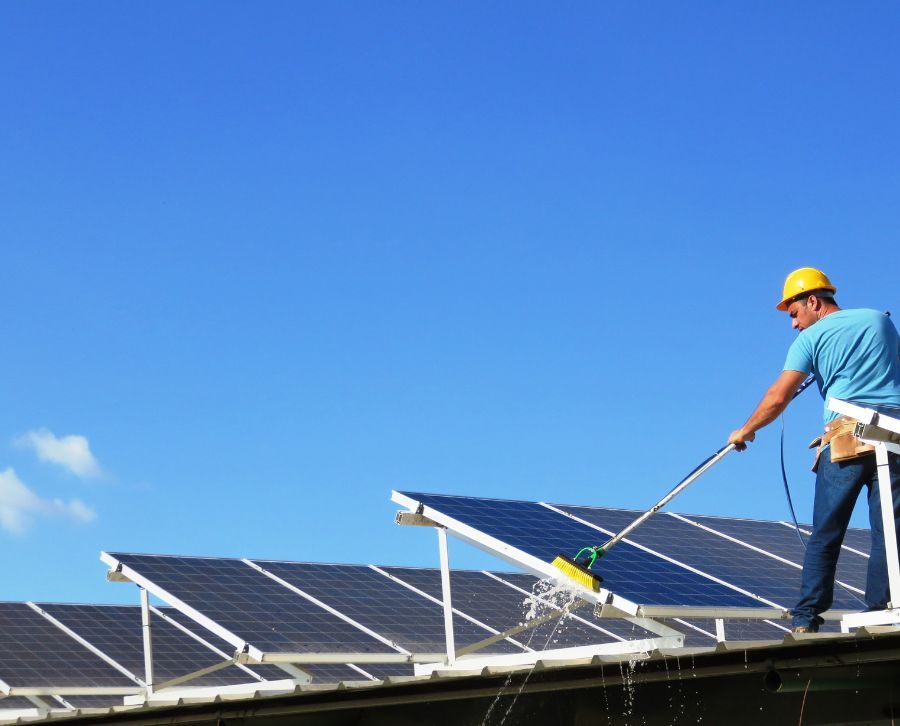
(805,629)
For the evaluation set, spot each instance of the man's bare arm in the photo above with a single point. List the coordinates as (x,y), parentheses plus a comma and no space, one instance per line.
(771,407)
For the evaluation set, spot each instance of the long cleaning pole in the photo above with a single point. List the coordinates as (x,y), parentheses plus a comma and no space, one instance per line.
(680,487)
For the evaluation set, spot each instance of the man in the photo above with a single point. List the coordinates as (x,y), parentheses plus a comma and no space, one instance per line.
(855,356)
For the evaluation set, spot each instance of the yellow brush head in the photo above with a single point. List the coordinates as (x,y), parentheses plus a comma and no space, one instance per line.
(582,575)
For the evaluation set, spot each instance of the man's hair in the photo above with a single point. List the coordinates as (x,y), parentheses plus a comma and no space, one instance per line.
(824,295)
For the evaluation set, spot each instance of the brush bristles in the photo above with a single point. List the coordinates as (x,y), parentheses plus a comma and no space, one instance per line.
(582,575)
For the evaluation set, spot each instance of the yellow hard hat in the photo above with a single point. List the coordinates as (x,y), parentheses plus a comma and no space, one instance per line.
(806,279)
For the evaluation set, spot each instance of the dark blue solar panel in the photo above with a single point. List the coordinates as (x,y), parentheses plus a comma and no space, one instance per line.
(116,630)
(35,653)
(16,702)
(763,576)
(501,606)
(859,539)
(252,606)
(378,603)
(782,541)
(320,672)
(542,533)
(619,626)
(266,672)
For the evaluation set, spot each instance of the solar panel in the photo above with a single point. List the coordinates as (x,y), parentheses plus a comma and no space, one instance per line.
(502,607)
(378,603)
(620,627)
(763,576)
(782,541)
(859,539)
(116,630)
(15,702)
(37,654)
(320,672)
(543,533)
(250,605)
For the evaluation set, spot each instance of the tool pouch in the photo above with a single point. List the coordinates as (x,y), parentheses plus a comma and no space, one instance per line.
(840,435)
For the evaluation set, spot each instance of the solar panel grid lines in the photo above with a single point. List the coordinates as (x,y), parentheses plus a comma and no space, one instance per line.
(219,646)
(510,637)
(15,702)
(378,603)
(765,552)
(116,630)
(549,604)
(47,611)
(362,671)
(857,541)
(38,655)
(734,563)
(711,530)
(456,611)
(587,515)
(114,561)
(503,608)
(229,597)
(223,654)
(699,552)
(528,530)
(470,532)
(780,540)
(695,627)
(320,672)
(316,601)
(618,628)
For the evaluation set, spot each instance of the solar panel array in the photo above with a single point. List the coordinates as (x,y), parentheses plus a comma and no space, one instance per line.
(38,654)
(380,604)
(251,606)
(368,610)
(116,631)
(312,608)
(671,560)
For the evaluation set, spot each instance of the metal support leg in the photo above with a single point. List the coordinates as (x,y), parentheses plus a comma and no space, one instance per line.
(720,630)
(888,524)
(445,587)
(40,704)
(148,640)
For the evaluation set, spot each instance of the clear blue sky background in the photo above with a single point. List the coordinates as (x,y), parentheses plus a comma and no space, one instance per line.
(274,260)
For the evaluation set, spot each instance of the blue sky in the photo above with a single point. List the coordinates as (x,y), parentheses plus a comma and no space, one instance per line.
(267,262)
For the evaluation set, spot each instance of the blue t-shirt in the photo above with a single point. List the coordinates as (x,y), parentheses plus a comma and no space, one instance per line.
(854,354)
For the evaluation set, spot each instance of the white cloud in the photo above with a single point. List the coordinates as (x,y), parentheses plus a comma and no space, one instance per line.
(19,505)
(71,452)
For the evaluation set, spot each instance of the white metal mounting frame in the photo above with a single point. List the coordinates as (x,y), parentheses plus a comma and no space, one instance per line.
(882,432)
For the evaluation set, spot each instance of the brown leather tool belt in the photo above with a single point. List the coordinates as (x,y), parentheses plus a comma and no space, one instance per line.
(839,434)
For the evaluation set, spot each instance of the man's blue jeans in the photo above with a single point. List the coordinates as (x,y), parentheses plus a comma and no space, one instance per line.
(838,485)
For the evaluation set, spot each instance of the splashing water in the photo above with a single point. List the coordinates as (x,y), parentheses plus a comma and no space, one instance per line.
(547,598)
